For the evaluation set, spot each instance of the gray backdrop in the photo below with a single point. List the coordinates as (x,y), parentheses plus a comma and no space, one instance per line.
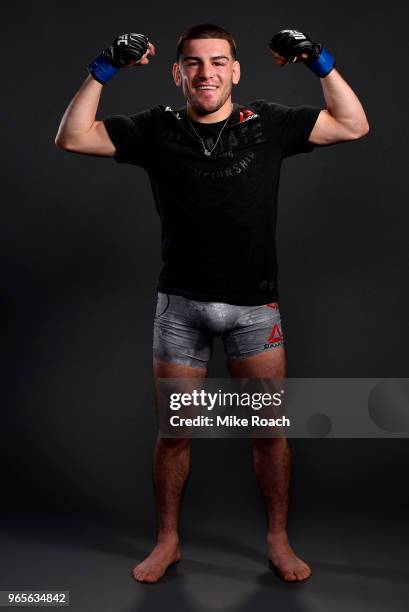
(80,258)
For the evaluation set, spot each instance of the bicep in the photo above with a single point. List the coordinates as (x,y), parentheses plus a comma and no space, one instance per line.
(95,141)
(328,131)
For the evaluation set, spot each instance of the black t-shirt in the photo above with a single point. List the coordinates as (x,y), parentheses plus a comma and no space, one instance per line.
(218,213)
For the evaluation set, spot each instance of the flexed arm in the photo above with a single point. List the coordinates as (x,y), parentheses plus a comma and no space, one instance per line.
(79,132)
(344,117)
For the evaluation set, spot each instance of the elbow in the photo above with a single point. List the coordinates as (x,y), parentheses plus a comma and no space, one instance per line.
(366,128)
(62,139)
(62,144)
(59,143)
(360,130)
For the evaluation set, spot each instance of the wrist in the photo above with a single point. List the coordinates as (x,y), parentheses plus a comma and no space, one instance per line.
(101,70)
(321,64)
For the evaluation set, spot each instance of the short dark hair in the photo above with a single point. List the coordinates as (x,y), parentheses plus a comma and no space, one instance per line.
(206,30)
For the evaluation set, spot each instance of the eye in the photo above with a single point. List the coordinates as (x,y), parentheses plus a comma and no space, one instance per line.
(219,64)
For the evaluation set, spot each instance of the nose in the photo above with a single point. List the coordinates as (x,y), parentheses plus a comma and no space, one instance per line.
(205,70)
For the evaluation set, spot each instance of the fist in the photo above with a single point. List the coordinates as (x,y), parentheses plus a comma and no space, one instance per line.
(293,46)
(126,49)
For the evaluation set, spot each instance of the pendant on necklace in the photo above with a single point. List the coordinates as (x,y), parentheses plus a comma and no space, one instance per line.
(206,152)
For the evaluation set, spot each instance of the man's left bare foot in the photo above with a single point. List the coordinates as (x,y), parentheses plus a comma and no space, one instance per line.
(286,563)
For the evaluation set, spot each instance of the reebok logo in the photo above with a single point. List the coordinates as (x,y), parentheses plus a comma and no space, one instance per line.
(247,114)
(275,338)
(276,334)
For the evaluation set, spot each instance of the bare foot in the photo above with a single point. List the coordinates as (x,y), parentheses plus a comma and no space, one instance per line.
(155,565)
(285,562)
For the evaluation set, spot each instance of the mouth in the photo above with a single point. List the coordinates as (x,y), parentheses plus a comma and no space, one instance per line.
(206,87)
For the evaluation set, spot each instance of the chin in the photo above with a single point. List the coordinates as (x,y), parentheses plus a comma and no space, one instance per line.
(210,107)
(206,110)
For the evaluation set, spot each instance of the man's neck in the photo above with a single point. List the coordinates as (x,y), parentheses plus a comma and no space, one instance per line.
(220,115)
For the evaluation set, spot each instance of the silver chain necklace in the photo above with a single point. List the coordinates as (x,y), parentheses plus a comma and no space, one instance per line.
(206,151)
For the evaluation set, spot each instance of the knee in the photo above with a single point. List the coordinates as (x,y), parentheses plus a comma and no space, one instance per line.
(173,445)
(265,445)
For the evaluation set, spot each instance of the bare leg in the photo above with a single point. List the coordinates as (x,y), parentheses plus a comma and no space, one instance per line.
(272,465)
(171,465)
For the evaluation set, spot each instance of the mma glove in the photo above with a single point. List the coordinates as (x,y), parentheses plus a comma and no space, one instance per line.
(293,45)
(126,48)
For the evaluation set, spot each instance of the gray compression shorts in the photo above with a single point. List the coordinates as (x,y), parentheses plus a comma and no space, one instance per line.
(184,329)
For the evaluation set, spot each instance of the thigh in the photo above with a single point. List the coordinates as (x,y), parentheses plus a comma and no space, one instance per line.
(178,337)
(267,364)
(185,380)
(187,375)
(166,369)
(255,345)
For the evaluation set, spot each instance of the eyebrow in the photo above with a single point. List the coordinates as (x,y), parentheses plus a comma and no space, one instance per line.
(191,57)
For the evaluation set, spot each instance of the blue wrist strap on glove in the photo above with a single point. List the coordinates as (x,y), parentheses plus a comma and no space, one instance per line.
(322,65)
(102,70)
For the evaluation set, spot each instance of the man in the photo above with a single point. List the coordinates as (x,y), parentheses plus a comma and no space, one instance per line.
(214,168)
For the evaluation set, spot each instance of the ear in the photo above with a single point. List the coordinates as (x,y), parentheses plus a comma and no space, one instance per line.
(176,74)
(236,72)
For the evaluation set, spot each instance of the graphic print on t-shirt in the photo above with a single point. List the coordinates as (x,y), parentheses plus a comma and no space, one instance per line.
(218,213)
(238,138)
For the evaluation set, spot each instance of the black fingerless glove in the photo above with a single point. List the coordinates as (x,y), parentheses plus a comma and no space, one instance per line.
(292,44)
(125,48)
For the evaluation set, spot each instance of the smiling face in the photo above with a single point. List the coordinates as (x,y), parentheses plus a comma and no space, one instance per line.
(206,71)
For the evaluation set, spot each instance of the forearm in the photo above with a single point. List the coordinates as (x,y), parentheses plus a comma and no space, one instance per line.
(81,112)
(342,103)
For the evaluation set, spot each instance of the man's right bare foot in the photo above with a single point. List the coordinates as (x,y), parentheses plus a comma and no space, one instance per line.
(155,565)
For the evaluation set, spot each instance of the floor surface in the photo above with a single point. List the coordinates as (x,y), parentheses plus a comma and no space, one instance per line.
(358,565)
